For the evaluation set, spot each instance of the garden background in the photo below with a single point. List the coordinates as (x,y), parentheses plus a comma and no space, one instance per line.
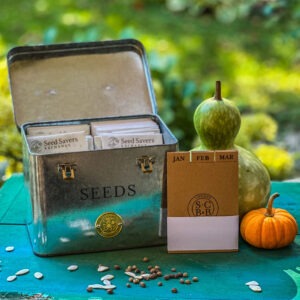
(252,46)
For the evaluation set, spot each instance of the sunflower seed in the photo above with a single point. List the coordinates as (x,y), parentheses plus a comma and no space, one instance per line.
(102,268)
(22,272)
(255,288)
(38,275)
(107,277)
(9,248)
(11,278)
(252,283)
(72,268)
(100,286)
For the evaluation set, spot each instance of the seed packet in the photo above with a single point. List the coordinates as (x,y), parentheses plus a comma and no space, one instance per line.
(58,143)
(202,200)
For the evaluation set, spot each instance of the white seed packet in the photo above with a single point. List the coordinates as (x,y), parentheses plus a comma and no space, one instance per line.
(127,131)
(58,129)
(120,126)
(58,143)
(90,141)
(113,141)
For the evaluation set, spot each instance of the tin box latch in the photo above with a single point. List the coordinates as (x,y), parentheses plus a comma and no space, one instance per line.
(146,163)
(67,171)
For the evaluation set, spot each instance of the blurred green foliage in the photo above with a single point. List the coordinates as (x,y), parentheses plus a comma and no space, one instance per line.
(251,46)
(277,160)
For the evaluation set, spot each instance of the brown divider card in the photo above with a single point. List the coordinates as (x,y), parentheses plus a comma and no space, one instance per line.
(202,195)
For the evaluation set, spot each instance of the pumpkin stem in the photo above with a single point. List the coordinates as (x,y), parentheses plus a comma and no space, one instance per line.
(269,212)
(218,95)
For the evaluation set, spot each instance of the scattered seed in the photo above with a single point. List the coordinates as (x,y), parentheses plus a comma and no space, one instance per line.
(9,248)
(167,277)
(107,277)
(146,276)
(128,269)
(136,281)
(185,274)
(173,269)
(142,284)
(89,289)
(117,267)
(38,275)
(72,268)
(252,283)
(22,272)
(110,291)
(187,281)
(102,268)
(128,285)
(106,282)
(195,279)
(174,290)
(11,278)
(159,283)
(103,287)
(131,274)
(145,259)
(181,280)
(255,288)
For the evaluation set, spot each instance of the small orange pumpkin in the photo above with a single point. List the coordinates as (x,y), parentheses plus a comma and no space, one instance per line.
(269,228)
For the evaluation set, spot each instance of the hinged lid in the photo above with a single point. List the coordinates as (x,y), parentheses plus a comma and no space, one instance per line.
(80,81)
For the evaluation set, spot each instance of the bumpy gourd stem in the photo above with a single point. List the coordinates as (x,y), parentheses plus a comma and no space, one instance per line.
(269,212)
(218,95)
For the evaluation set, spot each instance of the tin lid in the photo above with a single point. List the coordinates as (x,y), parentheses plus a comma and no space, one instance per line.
(80,81)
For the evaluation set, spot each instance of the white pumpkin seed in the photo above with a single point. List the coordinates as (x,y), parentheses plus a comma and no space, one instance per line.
(107,277)
(252,283)
(103,287)
(102,268)
(72,268)
(9,248)
(255,288)
(106,282)
(11,278)
(22,272)
(145,275)
(131,274)
(38,275)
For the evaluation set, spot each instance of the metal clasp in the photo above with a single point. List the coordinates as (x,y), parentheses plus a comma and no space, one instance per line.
(67,171)
(146,163)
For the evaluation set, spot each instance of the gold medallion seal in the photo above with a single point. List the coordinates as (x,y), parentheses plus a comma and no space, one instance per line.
(109,224)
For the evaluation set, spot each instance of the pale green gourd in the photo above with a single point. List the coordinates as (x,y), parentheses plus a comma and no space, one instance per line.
(217,122)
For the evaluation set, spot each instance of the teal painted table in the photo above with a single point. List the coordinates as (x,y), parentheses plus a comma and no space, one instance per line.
(221,275)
